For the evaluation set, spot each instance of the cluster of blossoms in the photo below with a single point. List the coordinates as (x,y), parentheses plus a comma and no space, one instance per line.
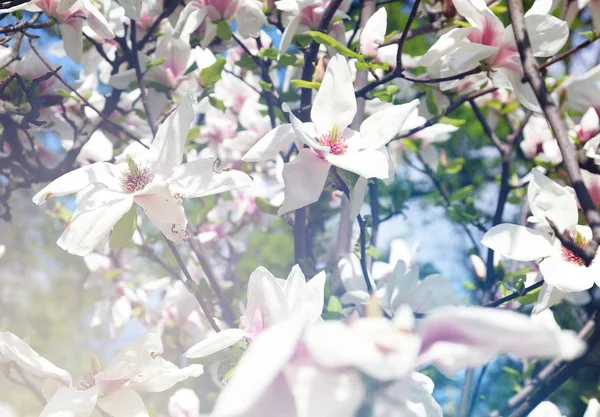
(201,115)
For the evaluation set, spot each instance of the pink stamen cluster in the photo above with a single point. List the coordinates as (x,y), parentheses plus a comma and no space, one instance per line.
(569,256)
(88,380)
(337,144)
(136,178)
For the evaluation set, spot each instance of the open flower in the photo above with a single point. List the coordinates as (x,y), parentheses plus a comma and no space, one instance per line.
(270,301)
(329,141)
(561,268)
(157,182)
(489,44)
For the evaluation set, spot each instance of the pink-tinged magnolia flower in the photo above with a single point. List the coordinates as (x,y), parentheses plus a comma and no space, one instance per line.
(373,33)
(270,301)
(489,44)
(114,389)
(561,268)
(157,182)
(248,15)
(299,16)
(70,16)
(454,338)
(588,127)
(184,403)
(329,141)
(97,149)
(538,141)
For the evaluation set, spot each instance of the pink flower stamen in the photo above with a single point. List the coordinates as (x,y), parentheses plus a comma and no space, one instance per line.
(569,256)
(136,177)
(336,142)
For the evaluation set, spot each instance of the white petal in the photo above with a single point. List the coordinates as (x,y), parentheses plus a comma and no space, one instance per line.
(368,163)
(97,22)
(593,408)
(71,33)
(258,369)
(161,375)
(523,91)
(377,130)
(269,146)
(166,151)
(288,34)
(133,8)
(266,305)
(304,179)
(548,296)
(250,18)
(71,402)
(199,179)
(215,343)
(373,33)
(478,14)
(466,57)
(305,132)
(335,103)
(357,197)
(548,34)
(305,299)
(545,409)
(76,180)
(64,5)
(166,212)
(567,276)
(123,403)
(189,20)
(97,212)
(547,199)
(517,242)
(15,350)
(443,45)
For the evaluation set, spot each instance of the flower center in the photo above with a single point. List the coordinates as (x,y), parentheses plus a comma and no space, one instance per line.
(336,142)
(88,380)
(569,256)
(136,177)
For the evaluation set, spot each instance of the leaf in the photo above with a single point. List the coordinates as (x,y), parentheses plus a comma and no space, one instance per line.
(268,53)
(265,85)
(217,103)
(327,40)
(305,84)
(265,206)
(453,122)
(193,133)
(155,63)
(374,253)
(455,166)
(462,193)
(224,30)
(287,60)
(590,34)
(469,286)
(334,305)
(499,9)
(211,75)
(63,92)
(124,229)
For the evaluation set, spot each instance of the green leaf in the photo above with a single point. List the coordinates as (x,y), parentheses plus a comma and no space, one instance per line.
(224,30)
(268,53)
(63,92)
(432,102)
(453,122)
(334,305)
(265,85)
(287,60)
(265,206)
(499,9)
(590,34)
(529,298)
(327,40)
(216,102)
(469,286)
(462,193)
(305,84)
(155,63)
(410,144)
(374,253)
(124,229)
(211,75)
(193,133)
(455,166)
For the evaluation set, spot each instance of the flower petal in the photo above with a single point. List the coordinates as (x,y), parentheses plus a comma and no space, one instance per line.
(71,33)
(288,34)
(549,200)
(71,402)
(548,34)
(166,151)
(548,296)
(97,212)
(478,14)
(304,131)
(269,146)
(97,22)
(215,343)
(199,179)
(357,197)
(335,103)
(304,178)
(161,375)
(517,242)
(567,276)
(443,45)
(14,350)
(76,180)
(166,212)
(373,33)
(368,163)
(123,403)
(377,130)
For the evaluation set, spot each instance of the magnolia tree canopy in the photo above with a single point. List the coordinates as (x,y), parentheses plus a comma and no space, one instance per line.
(299,208)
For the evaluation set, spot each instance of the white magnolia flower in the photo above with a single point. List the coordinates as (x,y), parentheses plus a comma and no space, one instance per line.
(184,403)
(538,141)
(583,91)
(157,181)
(562,269)
(373,33)
(487,42)
(593,408)
(407,398)
(270,301)
(546,409)
(114,389)
(329,141)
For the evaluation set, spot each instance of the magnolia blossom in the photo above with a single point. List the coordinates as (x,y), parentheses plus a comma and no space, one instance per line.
(70,15)
(329,141)
(546,409)
(270,301)
(184,403)
(373,33)
(538,141)
(563,271)
(583,91)
(489,44)
(157,182)
(593,408)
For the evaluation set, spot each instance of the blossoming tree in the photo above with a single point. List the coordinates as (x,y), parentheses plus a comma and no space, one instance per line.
(426,175)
